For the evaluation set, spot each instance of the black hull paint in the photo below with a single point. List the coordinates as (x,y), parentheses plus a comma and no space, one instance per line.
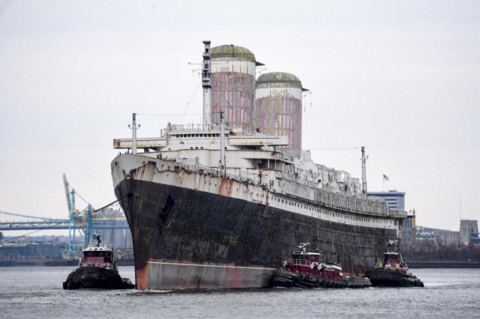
(95,278)
(174,224)
(289,279)
(390,278)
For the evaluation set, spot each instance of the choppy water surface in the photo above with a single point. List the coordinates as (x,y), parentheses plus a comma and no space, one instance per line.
(36,292)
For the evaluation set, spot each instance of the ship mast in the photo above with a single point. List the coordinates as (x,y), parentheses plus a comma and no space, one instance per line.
(364,171)
(134,128)
(222,146)
(207,103)
(207,86)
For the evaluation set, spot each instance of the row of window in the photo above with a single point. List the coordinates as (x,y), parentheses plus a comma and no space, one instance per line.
(96,254)
(195,135)
(328,213)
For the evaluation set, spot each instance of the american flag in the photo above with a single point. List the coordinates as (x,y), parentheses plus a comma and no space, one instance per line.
(385,178)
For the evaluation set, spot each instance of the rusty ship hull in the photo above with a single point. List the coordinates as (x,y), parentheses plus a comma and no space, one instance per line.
(195,229)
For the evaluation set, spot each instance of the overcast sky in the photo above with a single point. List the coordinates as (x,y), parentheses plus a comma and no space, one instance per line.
(400,78)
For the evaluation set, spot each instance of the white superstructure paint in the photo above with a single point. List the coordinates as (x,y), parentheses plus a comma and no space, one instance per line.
(240,66)
(278,92)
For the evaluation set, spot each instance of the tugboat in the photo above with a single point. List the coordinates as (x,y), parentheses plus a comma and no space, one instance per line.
(305,270)
(393,270)
(97,269)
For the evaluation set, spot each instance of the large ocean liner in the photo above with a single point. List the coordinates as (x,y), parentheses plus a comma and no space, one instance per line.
(222,203)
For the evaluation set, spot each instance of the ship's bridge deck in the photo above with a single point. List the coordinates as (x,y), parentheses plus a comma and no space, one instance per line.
(177,137)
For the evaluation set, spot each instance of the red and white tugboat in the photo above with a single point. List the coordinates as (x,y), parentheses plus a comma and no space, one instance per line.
(393,270)
(306,270)
(97,268)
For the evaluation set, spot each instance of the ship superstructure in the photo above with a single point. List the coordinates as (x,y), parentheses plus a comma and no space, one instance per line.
(220,205)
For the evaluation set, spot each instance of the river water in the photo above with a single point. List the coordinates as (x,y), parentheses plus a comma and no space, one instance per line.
(36,292)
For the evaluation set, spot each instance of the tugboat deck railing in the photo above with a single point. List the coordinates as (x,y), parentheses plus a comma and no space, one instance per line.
(300,262)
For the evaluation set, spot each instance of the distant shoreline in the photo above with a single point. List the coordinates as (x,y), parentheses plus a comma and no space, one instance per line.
(443,264)
(54,263)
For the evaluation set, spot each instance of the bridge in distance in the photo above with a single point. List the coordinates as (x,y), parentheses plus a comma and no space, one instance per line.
(12,222)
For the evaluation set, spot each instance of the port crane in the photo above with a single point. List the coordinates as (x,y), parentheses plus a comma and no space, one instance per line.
(80,220)
(84,221)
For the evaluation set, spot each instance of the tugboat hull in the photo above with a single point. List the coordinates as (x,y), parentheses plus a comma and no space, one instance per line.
(96,278)
(288,279)
(390,278)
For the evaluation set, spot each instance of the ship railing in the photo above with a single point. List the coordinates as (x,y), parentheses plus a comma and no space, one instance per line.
(300,262)
(179,128)
(367,205)
(94,264)
(103,244)
(307,190)
(191,166)
(192,127)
